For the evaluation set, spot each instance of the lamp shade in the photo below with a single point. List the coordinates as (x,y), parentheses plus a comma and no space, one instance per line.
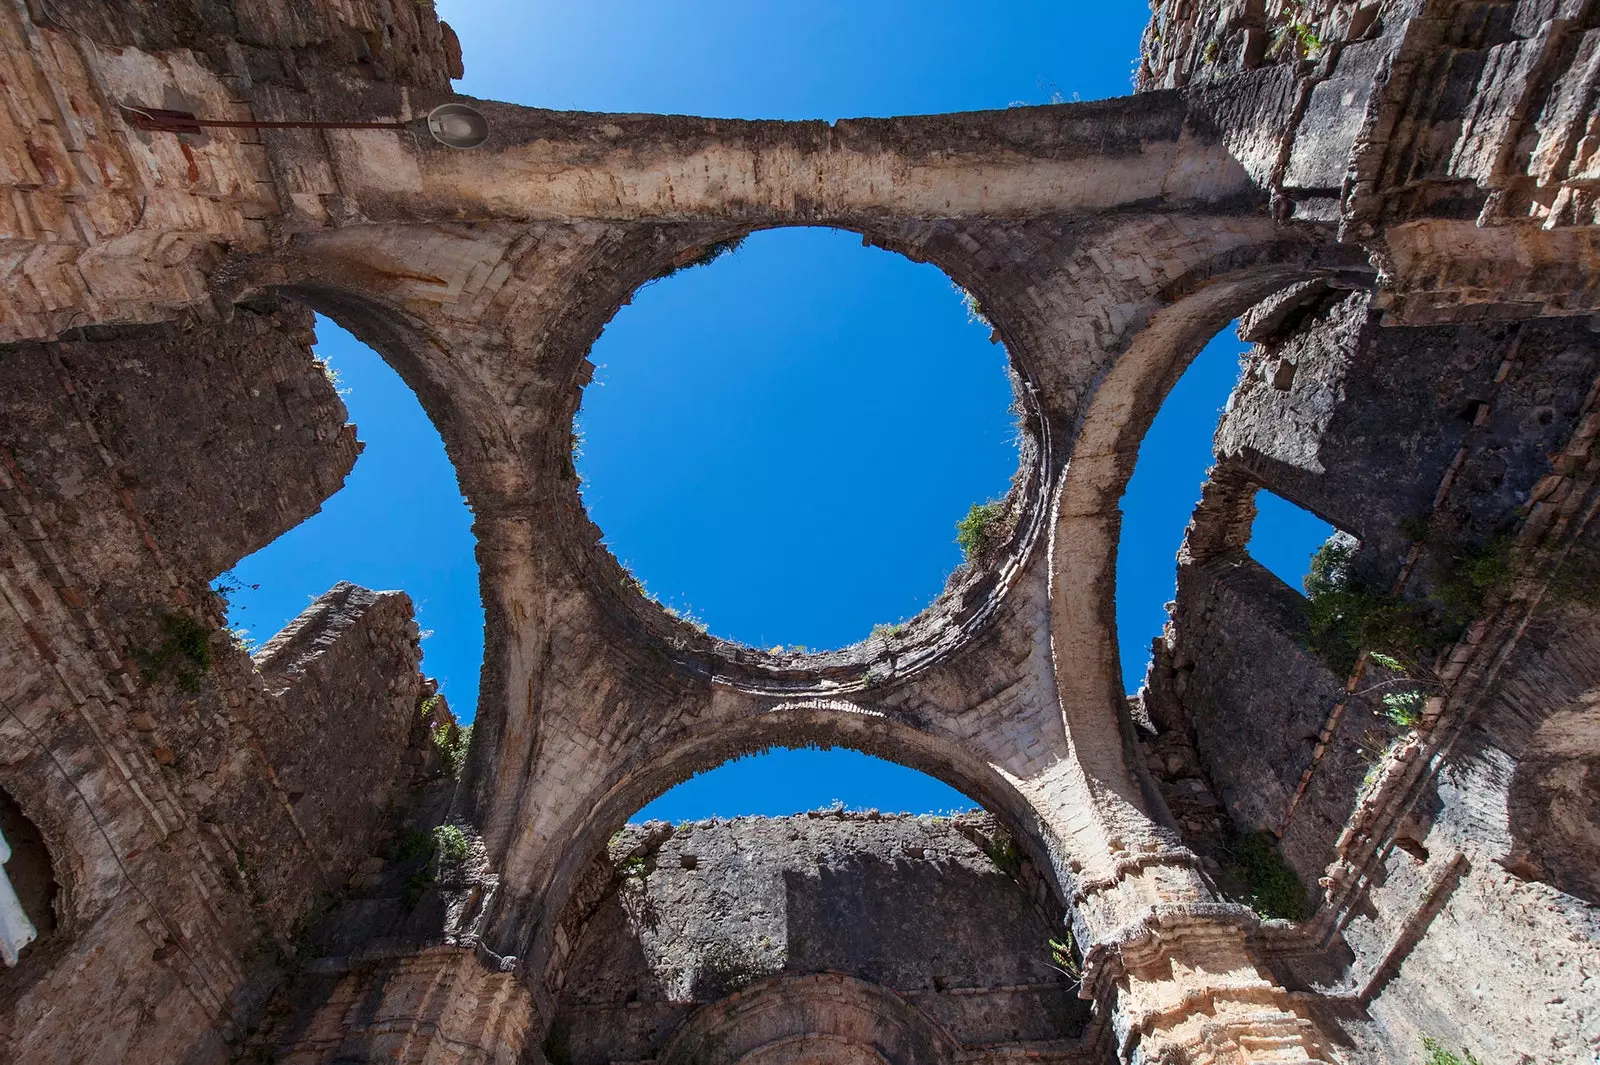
(458,126)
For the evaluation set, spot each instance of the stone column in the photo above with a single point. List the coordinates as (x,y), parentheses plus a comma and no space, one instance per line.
(1188,988)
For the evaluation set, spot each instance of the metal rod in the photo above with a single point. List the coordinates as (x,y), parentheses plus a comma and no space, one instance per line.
(157,120)
(300,125)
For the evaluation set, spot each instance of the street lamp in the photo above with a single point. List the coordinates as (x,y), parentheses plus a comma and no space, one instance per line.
(453,125)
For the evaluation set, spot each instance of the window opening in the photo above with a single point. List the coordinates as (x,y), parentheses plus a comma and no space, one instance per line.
(1285,536)
(399,522)
(27,885)
(1174,459)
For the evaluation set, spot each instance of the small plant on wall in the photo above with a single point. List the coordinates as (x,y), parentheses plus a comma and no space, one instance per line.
(981,530)
(183,655)
(1404,697)
(1064,957)
(450,843)
(704,256)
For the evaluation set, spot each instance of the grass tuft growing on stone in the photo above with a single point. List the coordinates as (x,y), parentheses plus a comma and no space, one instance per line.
(183,655)
(707,255)
(450,843)
(980,530)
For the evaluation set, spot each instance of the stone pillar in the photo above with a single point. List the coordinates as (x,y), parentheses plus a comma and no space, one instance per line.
(1187,987)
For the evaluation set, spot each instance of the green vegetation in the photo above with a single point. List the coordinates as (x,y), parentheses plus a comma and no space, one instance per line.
(631,583)
(1002,851)
(1064,956)
(453,742)
(688,617)
(1345,618)
(1438,1055)
(886,632)
(974,309)
(1271,887)
(183,655)
(332,375)
(1404,708)
(981,529)
(229,583)
(1295,31)
(707,255)
(634,867)
(1474,572)
(1212,50)
(1402,705)
(446,842)
(450,843)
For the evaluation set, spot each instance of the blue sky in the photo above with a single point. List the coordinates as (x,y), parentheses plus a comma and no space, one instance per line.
(780,442)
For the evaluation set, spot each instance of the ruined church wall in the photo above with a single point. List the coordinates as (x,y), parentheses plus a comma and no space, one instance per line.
(153,458)
(1430,444)
(1254,703)
(194,809)
(105,223)
(1449,140)
(1463,938)
(682,916)
(1361,424)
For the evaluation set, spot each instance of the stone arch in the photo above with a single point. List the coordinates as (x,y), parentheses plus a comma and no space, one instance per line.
(508,351)
(798,723)
(1554,802)
(551,318)
(500,371)
(519,345)
(476,436)
(826,1018)
(67,869)
(1086,518)
(441,381)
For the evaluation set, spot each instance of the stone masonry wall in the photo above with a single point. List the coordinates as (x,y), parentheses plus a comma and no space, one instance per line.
(1460,940)
(156,457)
(1433,446)
(682,916)
(195,809)
(108,224)
(1449,139)
(1235,625)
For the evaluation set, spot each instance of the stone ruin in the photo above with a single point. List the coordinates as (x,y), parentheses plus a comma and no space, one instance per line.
(1327,828)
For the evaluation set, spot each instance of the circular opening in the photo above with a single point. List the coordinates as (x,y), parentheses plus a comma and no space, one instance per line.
(781,439)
